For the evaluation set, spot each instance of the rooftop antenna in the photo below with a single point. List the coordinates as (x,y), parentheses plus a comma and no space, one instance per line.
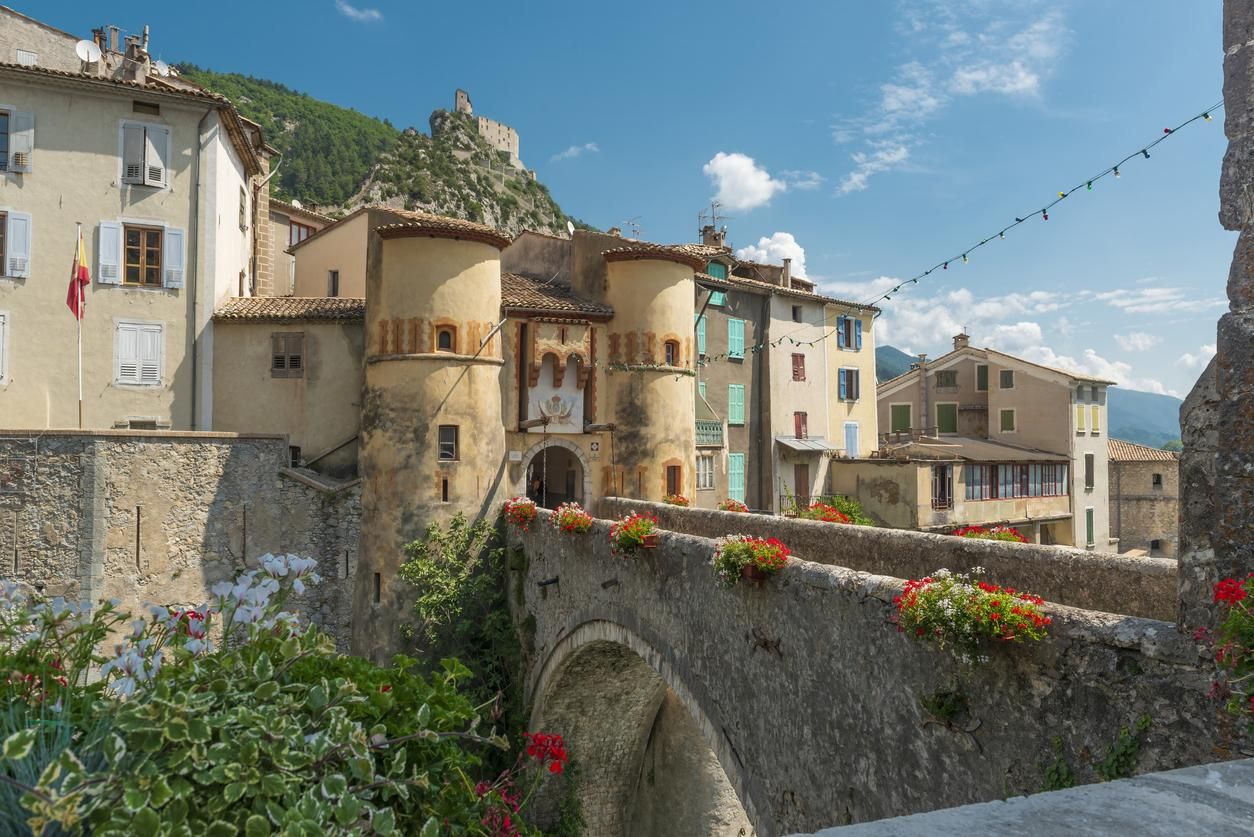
(162,68)
(634,224)
(711,218)
(87,52)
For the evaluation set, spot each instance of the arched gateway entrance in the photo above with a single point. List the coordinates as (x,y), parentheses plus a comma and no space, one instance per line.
(646,764)
(556,472)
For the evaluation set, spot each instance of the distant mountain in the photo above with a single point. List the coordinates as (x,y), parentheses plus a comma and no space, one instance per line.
(338,159)
(891,362)
(1142,417)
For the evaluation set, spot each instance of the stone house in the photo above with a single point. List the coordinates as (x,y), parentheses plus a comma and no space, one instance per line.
(974,394)
(1144,498)
(162,177)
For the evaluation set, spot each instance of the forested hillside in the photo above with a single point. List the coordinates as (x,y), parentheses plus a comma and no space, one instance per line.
(338,159)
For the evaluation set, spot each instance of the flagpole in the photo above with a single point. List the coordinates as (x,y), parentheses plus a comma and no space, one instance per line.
(78,322)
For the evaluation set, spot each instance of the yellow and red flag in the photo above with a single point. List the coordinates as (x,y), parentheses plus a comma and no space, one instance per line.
(80,278)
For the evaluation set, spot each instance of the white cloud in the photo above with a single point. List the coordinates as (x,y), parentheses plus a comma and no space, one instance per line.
(804,180)
(1151,300)
(1091,363)
(774,250)
(1013,339)
(356,14)
(884,157)
(575,151)
(1197,361)
(1137,341)
(963,50)
(742,184)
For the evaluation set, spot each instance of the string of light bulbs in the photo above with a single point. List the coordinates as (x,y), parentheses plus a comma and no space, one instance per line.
(1084,185)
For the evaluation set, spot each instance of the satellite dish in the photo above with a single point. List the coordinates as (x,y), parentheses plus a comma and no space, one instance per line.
(162,68)
(87,51)
(570,228)
(297,204)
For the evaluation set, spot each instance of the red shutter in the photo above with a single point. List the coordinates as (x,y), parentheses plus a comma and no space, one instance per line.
(798,367)
(799,424)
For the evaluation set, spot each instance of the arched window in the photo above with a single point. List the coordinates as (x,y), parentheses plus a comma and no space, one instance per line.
(445,338)
(672,353)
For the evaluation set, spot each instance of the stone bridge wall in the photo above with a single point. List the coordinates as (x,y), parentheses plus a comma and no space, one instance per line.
(1090,580)
(811,699)
(161,516)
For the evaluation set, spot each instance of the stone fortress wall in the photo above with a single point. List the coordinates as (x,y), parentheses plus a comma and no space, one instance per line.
(147,516)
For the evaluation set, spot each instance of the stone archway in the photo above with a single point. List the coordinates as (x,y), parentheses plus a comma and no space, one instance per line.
(567,454)
(650,762)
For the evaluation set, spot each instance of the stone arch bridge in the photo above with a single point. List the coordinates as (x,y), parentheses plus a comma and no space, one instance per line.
(696,709)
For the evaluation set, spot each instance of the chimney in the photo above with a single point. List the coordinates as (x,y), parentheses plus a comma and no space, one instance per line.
(712,237)
(785,278)
(113,38)
(926,400)
(961,341)
(144,43)
(616,231)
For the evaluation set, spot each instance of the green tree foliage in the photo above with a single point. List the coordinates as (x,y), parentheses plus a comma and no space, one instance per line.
(1174,445)
(328,151)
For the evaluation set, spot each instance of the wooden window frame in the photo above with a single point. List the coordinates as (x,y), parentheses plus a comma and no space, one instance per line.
(706,460)
(143,265)
(852,377)
(294,230)
(333,283)
(1090,471)
(949,381)
(441,444)
(801,424)
(981,368)
(670,353)
(675,486)
(1001,378)
(1014,420)
(940,404)
(287,360)
(798,366)
(909,412)
(942,487)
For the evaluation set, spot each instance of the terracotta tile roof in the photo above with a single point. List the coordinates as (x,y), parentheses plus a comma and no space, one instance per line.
(282,309)
(798,293)
(422,224)
(693,255)
(1121,451)
(293,209)
(519,293)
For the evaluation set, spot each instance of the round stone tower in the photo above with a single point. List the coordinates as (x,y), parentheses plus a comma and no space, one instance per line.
(432,431)
(651,364)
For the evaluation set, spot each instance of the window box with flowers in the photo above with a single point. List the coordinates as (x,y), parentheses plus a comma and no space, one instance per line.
(632,533)
(744,556)
(964,615)
(675,500)
(824,512)
(520,512)
(730,505)
(991,533)
(571,519)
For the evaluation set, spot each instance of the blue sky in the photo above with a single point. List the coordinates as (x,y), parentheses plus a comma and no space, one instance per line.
(868,140)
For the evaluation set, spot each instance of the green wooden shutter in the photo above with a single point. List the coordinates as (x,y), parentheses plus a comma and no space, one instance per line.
(701,335)
(736,476)
(947,418)
(1088,528)
(701,388)
(735,403)
(717,269)
(981,378)
(899,418)
(735,338)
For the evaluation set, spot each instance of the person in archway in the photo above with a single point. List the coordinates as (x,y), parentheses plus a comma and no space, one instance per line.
(536,491)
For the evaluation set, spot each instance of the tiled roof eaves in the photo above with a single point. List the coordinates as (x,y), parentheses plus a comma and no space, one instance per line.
(799,294)
(654,252)
(1124,451)
(287,309)
(292,209)
(419,224)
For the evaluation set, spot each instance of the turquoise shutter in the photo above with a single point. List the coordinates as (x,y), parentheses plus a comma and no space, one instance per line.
(736,338)
(840,332)
(736,476)
(718,298)
(717,269)
(701,335)
(857,334)
(735,403)
(844,389)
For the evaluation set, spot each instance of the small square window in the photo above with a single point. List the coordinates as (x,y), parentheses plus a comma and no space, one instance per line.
(947,379)
(1158,480)
(674,479)
(1007,421)
(1007,379)
(293,455)
(672,353)
(446,339)
(333,283)
(448,442)
(796,313)
(287,355)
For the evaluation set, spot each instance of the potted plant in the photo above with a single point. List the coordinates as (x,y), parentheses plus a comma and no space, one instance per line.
(675,500)
(633,532)
(730,505)
(825,513)
(991,533)
(1232,645)
(744,556)
(520,511)
(964,615)
(571,519)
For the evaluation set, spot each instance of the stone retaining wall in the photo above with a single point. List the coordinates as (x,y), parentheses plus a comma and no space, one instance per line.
(160,517)
(1090,580)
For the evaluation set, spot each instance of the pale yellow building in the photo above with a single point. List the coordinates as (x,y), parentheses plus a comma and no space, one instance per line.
(159,175)
(290,224)
(983,394)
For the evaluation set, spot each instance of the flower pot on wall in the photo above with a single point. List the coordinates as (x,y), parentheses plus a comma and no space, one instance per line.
(753,573)
(648,542)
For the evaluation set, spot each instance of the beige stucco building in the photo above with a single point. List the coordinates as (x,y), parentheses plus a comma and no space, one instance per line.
(982,394)
(160,175)
(1144,498)
(290,224)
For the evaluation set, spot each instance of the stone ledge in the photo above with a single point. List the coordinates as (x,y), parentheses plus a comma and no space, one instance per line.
(136,434)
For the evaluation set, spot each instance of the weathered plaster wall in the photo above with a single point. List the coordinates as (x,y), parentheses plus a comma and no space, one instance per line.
(1140,512)
(1111,583)
(810,699)
(161,517)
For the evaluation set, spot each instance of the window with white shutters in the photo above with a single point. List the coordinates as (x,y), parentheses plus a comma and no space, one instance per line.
(4,347)
(138,353)
(705,473)
(17,140)
(15,229)
(145,154)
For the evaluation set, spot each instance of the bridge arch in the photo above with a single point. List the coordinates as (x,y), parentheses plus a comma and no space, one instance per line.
(652,761)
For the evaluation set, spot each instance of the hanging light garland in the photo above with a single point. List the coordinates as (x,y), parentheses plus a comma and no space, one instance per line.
(1085,185)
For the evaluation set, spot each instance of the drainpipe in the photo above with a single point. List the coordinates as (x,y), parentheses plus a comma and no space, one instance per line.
(926,399)
(195,262)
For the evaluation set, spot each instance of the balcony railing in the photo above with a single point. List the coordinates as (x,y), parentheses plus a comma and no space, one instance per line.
(709,433)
